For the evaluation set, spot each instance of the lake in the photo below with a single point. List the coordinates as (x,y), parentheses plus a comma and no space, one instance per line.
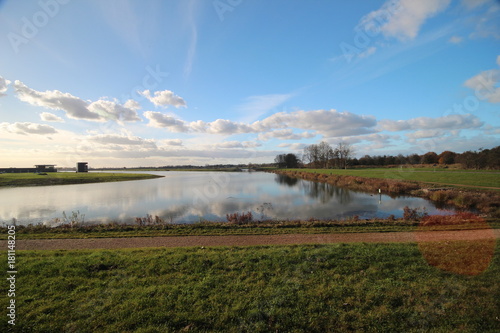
(187,197)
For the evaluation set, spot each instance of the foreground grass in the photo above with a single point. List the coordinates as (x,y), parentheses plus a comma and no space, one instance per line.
(441,176)
(322,288)
(64,178)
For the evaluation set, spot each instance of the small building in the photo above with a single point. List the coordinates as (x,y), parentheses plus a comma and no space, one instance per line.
(82,167)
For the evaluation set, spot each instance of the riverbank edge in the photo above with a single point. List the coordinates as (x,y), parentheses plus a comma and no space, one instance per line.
(62,178)
(485,202)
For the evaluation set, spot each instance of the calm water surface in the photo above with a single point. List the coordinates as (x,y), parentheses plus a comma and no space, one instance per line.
(186,197)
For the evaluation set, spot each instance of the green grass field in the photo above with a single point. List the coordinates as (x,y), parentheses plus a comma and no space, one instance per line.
(317,288)
(64,178)
(440,176)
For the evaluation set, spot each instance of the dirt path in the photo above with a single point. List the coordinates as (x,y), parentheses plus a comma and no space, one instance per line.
(250,240)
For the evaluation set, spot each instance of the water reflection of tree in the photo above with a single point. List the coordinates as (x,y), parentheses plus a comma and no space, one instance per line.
(322,191)
(285,180)
(326,192)
(171,214)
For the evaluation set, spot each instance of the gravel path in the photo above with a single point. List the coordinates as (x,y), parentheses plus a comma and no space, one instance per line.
(251,240)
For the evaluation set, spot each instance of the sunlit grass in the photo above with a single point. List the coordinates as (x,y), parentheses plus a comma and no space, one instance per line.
(322,288)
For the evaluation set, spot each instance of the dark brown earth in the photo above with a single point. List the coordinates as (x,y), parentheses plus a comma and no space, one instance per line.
(252,240)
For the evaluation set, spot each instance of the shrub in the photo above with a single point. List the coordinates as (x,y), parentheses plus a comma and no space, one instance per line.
(149,220)
(413,214)
(464,200)
(440,196)
(238,218)
(455,219)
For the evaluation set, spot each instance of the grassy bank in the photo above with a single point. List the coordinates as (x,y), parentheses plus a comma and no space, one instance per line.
(322,288)
(65,178)
(464,178)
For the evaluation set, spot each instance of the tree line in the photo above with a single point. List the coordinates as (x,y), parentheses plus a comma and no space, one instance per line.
(323,155)
(320,155)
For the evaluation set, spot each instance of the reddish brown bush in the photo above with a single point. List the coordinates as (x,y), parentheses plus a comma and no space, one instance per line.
(413,214)
(238,218)
(455,219)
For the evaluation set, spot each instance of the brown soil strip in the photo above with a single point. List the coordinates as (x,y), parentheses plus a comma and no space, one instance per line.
(249,240)
(462,185)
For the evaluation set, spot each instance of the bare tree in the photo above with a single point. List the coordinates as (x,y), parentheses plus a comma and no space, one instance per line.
(311,156)
(345,153)
(325,154)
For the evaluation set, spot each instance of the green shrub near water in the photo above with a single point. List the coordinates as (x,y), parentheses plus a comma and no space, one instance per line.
(316,288)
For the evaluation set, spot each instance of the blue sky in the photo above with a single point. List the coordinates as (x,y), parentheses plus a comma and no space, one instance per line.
(152,83)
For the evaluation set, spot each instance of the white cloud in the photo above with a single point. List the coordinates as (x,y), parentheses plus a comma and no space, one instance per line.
(132,104)
(219,126)
(112,110)
(329,123)
(75,107)
(485,84)
(293,146)
(4,83)
(237,144)
(453,143)
(123,140)
(164,98)
(172,142)
(366,144)
(198,126)
(227,127)
(455,40)
(47,116)
(425,134)
(26,128)
(402,19)
(375,138)
(285,134)
(449,122)
(160,120)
